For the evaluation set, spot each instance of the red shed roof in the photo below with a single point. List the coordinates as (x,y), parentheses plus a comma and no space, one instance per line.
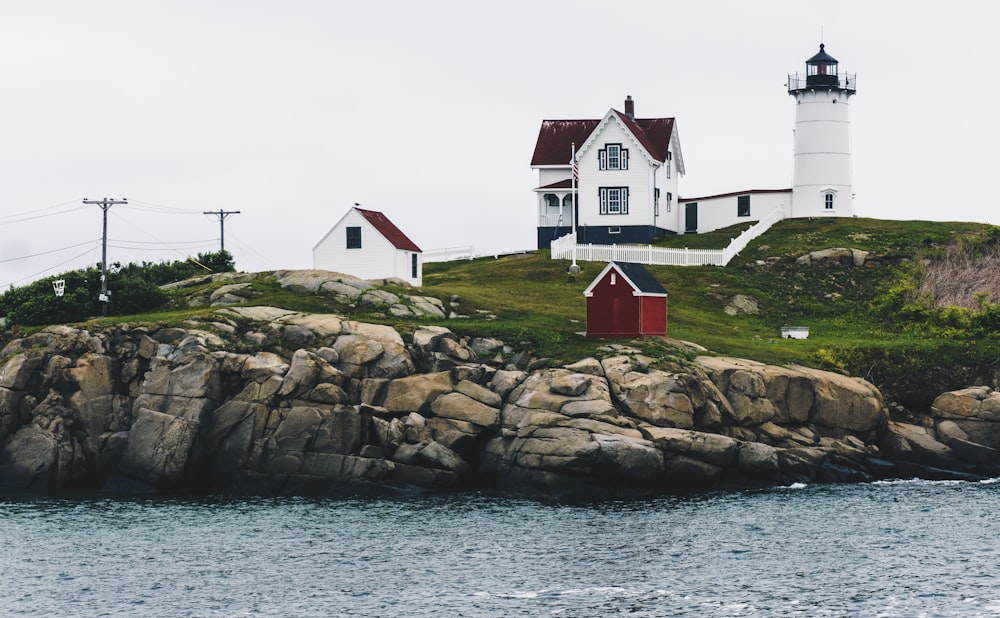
(388,229)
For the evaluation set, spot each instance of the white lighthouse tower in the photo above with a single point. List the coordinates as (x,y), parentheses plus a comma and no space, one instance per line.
(821,176)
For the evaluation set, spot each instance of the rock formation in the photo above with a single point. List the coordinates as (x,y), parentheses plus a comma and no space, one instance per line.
(260,399)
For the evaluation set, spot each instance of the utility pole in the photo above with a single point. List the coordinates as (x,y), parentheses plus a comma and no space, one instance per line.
(222,214)
(105,205)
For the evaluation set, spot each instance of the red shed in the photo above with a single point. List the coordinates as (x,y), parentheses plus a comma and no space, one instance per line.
(625,301)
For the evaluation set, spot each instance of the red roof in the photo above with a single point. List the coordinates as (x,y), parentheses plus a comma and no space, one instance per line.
(732,193)
(562,184)
(388,229)
(555,138)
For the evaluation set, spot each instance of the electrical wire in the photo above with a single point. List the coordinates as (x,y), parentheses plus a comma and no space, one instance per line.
(150,207)
(24,257)
(42,272)
(202,246)
(180,242)
(8,220)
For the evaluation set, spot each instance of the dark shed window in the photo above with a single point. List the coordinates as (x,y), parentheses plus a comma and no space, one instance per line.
(354,238)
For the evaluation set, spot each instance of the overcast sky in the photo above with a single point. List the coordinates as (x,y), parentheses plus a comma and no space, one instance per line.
(291,111)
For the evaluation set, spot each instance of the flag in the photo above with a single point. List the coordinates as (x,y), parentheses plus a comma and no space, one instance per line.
(576,169)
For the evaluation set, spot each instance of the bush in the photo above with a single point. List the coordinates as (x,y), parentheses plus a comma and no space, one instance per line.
(134,288)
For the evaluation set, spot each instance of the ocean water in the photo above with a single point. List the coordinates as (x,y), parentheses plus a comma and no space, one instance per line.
(905,548)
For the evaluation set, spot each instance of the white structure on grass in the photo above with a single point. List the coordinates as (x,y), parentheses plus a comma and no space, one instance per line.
(367,245)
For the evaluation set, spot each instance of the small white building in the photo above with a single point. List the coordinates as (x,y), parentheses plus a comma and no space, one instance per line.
(713,212)
(367,245)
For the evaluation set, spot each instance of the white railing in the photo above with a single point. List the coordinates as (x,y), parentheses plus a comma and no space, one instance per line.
(553,220)
(448,254)
(566,248)
(452,254)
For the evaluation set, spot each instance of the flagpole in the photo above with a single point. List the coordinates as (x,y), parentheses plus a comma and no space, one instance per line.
(576,210)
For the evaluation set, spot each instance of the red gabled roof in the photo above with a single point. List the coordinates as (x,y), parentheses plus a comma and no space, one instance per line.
(388,229)
(562,184)
(732,193)
(653,133)
(555,138)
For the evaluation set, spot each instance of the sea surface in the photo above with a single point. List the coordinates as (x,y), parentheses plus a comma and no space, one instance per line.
(904,548)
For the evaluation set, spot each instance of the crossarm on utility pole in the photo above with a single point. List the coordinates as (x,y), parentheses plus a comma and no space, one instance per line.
(222,214)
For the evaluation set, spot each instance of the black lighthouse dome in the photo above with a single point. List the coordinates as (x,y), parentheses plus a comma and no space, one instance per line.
(821,69)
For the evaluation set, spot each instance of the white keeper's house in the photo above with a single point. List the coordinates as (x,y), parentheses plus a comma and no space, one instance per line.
(367,245)
(626,186)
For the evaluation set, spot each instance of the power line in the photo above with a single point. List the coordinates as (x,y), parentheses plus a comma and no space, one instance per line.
(24,257)
(150,207)
(9,220)
(201,246)
(165,242)
(51,268)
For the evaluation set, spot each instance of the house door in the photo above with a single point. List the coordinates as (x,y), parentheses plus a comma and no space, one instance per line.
(691,218)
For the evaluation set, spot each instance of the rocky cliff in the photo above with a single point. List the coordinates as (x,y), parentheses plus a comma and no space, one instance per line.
(262,400)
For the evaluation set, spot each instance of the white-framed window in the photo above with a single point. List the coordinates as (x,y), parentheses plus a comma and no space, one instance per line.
(614,200)
(743,206)
(615,230)
(667,163)
(612,157)
(828,200)
(614,279)
(670,200)
(656,202)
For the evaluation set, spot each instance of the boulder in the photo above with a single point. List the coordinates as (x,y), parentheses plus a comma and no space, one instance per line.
(158,448)
(39,459)
(633,459)
(417,392)
(656,397)
(460,407)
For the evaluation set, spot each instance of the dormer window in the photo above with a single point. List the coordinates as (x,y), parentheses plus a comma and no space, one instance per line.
(613,157)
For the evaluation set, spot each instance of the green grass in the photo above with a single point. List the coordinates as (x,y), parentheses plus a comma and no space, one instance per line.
(857,316)
(844,308)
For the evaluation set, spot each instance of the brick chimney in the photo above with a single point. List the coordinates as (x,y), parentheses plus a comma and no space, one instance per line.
(629,107)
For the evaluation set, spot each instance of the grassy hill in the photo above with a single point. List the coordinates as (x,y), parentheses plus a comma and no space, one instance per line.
(873,321)
(927,297)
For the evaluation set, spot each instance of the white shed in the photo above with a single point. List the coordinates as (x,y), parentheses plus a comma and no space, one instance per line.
(367,245)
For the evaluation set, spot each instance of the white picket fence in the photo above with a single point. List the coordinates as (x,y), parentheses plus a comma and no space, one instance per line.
(452,254)
(566,248)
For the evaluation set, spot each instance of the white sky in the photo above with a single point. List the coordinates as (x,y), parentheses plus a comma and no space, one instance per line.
(291,111)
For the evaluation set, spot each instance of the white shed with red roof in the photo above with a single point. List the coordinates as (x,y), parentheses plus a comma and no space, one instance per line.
(367,245)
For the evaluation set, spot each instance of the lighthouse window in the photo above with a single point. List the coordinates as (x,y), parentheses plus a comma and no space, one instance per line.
(614,200)
(743,206)
(613,157)
(828,201)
